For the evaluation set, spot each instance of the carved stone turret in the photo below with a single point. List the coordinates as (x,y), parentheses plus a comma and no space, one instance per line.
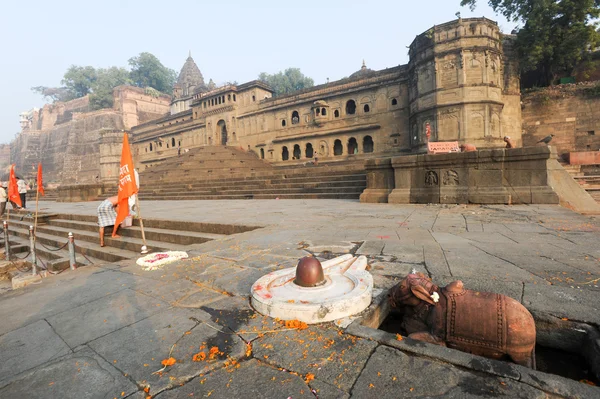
(457,85)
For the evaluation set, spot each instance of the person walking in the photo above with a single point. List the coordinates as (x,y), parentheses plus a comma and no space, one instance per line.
(3,198)
(107,215)
(23,187)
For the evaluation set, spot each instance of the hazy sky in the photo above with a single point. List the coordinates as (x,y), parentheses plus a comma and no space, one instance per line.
(229,40)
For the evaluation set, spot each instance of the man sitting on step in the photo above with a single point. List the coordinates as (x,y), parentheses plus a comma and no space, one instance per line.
(107,215)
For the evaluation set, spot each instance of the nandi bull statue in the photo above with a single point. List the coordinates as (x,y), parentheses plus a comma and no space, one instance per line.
(482,323)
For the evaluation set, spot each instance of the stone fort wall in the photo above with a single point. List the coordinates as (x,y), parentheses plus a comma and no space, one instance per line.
(570,112)
(66,138)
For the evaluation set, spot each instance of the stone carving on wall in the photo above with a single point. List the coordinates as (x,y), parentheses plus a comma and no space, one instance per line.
(449,73)
(431,178)
(451,178)
(448,124)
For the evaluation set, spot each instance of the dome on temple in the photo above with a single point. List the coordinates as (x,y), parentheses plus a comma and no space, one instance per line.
(364,72)
(190,78)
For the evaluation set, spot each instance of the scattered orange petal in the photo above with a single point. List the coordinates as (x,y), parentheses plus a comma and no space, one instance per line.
(412,389)
(52,383)
(147,389)
(297,324)
(199,357)
(168,362)
(399,337)
(564,318)
(309,377)
(371,386)
(587,382)
(248,349)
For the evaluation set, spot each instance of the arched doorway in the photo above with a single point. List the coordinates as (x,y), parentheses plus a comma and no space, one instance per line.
(285,154)
(309,150)
(367,144)
(262,153)
(337,147)
(222,127)
(352,146)
(297,152)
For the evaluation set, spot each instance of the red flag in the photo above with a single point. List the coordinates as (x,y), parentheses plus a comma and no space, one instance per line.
(13,188)
(40,183)
(127,184)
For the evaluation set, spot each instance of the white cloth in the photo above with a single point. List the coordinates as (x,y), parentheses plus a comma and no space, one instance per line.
(22,186)
(132,199)
(3,195)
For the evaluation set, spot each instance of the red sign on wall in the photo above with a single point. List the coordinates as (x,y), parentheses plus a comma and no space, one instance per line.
(427,130)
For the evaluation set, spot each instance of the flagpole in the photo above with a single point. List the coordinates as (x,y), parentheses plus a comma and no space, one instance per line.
(139,214)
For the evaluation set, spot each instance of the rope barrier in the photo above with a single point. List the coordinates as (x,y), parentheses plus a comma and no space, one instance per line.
(26,255)
(54,250)
(22,270)
(82,254)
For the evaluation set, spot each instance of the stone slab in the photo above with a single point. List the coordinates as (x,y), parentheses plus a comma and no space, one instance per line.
(29,347)
(574,303)
(390,373)
(236,315)
(66,291)
(253,379)
(138,349)
(23,280)
(94,319)
(320,350)
(82,375)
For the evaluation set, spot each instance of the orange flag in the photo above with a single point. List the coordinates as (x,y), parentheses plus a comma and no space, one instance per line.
(127,184)
(40,183)
(13,188)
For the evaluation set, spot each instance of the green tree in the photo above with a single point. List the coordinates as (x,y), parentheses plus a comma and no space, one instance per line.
(148,71)
(106,81)
(287,82)
(54,93)
(79,80)
(556,34)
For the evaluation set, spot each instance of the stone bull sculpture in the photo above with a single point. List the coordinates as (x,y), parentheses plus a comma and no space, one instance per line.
(482,323)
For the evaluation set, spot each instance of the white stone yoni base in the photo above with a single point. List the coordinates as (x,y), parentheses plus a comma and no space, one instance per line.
(347,291)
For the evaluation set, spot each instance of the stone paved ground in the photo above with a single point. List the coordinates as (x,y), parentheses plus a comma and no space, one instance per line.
(102,331)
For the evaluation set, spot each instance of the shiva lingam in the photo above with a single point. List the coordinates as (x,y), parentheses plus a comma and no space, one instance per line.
(315,292)
(482,323)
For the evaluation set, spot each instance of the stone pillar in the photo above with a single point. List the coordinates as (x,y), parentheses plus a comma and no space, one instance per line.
(111,142)
(380,180)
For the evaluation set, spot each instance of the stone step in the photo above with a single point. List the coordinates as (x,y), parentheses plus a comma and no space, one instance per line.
(191,196)
(163,235)
(236,191)
(50,257)
(89,248)
(182,226)
(275,180)
(126,244)
(272,179)
(266,184)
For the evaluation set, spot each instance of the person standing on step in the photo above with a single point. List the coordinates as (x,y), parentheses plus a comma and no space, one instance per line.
(107,215)
(3,198)
(23,187)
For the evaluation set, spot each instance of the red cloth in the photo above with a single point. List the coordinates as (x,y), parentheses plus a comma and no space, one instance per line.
(127,184)
(40,184)
(13,189)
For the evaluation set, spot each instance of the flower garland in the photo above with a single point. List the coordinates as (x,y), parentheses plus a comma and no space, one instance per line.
(156,260)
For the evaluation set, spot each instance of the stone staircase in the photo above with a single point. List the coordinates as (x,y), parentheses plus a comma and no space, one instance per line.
(52,235)
(591,183)
(213,173)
